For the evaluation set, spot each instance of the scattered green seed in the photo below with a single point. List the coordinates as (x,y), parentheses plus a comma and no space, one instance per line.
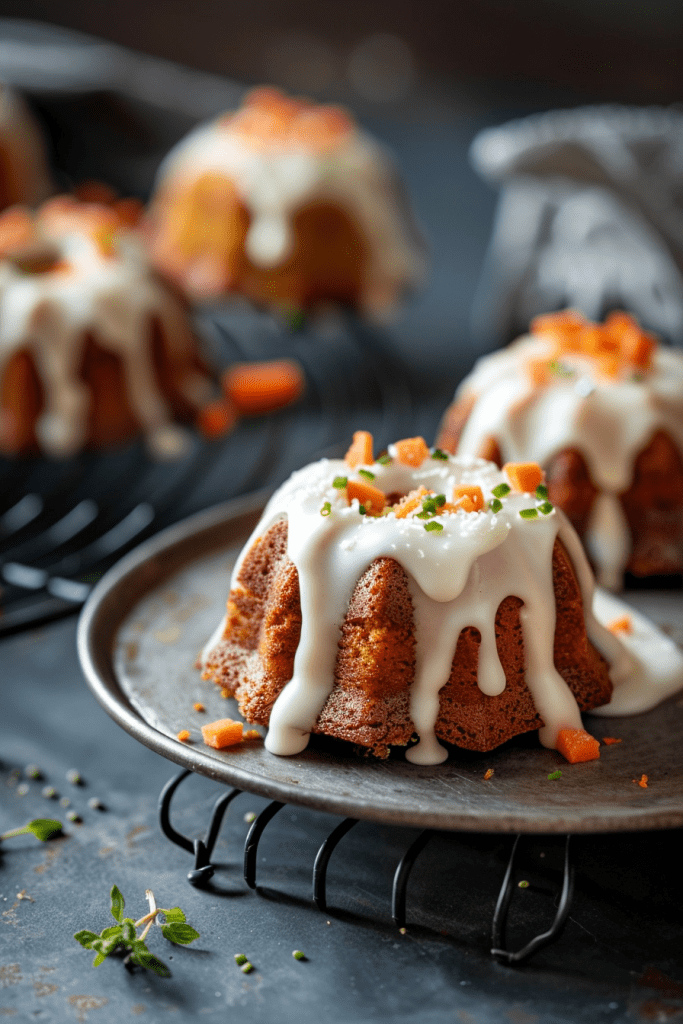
(298,955)
(529,513)
(555,775)
(433,527)
(501,490)
(32,771)
(438,454)
(74,777)
(49,792)
(249,817)
(73,816)
(240,959)
(65,802)
(340,482)
(23,788)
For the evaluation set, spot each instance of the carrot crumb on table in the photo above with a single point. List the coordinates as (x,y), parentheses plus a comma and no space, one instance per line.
(642,781)
(183,735)
(222,733)
(608,740)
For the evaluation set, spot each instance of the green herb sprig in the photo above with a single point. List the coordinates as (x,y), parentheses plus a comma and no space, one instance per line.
(124,935)
(42,828)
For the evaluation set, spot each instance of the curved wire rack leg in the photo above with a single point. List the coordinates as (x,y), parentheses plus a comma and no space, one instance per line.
(202,848)
(400,886)
(503,904)
(323,858)
(252,841)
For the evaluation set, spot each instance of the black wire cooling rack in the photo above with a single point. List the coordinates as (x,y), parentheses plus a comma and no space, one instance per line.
(63,524)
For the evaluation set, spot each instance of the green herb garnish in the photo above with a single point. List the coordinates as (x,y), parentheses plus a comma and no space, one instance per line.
(385,459)
(240,959)
(362,509)
(438,454)
(523,885)
(42,828)
(529,513)
(340,482)
(247,968)
(542,492)
(326,509)
(555,775)
(495,505)
(501,490)
(298,955)
(124,935)
(433,527)
(366,473)
(546,508)
(440,500)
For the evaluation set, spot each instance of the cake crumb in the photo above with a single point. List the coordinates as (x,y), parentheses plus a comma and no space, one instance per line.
(642,781)
(488,774)
(198,706)
(607,740)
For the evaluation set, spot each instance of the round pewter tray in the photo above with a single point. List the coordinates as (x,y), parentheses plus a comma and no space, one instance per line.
(146,621)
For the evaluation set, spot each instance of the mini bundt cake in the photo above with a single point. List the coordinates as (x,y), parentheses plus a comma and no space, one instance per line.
(600,407)
(289,204)
(24,175)
(94,347)
(415,593)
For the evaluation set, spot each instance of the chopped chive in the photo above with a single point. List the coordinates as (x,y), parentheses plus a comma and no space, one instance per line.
(429,505)
(501,490)
(240,959)
(546,508)
(367,474)
(247,968)
(440,500)
(495,505)
(555,775)
(340,482)
(385,459)
(542,492)
(426,514)
(298,955)
(326,509)
(529,513)
(431,527)
(362,510)
(438,454)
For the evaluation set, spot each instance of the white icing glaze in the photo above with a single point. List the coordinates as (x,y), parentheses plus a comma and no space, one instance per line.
(609,423)
(112,297)
(458,577)
(275,182)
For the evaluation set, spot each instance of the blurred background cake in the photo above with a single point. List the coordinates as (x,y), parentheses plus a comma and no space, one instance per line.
(24,173)
(600,406)
(288,203)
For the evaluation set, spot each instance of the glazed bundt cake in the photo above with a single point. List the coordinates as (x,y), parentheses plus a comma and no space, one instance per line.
(94,347)
(414,593)
(24,175)
(600,407)
(287,203)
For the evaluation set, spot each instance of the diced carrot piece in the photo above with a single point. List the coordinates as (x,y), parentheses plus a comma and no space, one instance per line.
(622,625)
(410,502)
(252,734)
(577,745)
(609,740)
(183,735)
(371,498)
(217,418)
(618,323)
(222,733)
(255,388)
(198,706)
(638,348)
(474,493)
(593,340)
(360,452)
(610,365)
(538,371)
(524,476)
(642,781)
(563,327)
(411,451)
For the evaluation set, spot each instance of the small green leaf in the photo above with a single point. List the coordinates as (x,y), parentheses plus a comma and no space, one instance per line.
(43,828)
(128,932)
(182,934)
(110,933)
(174,915)
(117,904)
(86,938)
(99,959)
(151,963)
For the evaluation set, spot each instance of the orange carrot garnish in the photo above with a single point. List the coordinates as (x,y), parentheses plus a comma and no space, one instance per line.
(622,625)
(524,476)
(222,733)
(371,498)
(577,745)
(217,418)
(255,388)
(198,706)
(183,735)
(642,781)
(470,498)
(410,502)
(360,452)
(411,451)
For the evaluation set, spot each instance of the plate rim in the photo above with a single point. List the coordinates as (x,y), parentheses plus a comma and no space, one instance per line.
(101,620)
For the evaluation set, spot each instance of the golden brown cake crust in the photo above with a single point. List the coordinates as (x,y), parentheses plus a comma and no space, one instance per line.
(369,703)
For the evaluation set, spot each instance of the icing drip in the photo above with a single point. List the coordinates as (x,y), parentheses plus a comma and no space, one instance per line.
(608,423)
(458,578)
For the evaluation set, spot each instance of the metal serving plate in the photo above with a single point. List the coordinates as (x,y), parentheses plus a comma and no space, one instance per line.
(146,621)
